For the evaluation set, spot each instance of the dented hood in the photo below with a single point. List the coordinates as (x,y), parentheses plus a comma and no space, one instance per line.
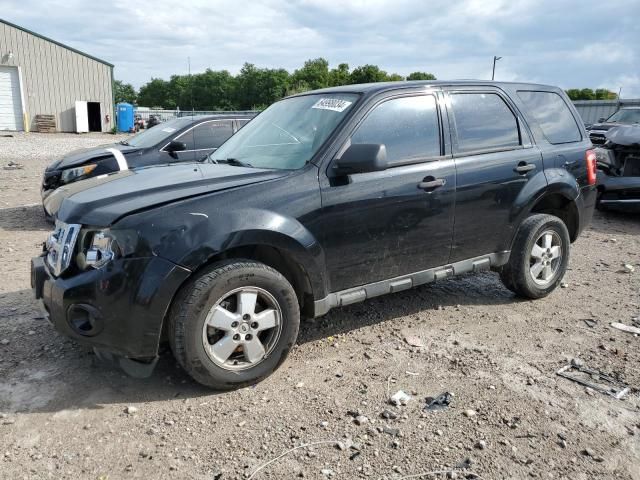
(625,135)
(84,155)
(101,201)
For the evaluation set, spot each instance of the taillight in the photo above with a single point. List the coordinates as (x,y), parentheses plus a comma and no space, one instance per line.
(590,158)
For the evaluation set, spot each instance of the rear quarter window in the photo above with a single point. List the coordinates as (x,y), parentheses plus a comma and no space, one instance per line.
(553,116)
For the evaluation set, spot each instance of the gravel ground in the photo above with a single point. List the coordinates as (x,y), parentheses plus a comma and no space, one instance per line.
(65,415)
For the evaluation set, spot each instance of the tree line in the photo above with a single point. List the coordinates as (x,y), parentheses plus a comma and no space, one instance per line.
(252,88)
(255,88)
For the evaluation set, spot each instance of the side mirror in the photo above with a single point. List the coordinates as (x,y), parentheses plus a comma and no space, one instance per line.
(362,158)
(175,146)
(601,119)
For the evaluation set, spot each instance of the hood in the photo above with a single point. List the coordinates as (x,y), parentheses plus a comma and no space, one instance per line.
(84,155)
(624,135)
(102,200)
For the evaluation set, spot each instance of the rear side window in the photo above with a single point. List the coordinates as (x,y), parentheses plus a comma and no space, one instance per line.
(211,134)
(407,126)
(553,115)
(483,122)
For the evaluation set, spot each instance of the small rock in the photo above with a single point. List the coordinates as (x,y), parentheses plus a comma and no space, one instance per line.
(439,433)
(469,413)
(131,410)
(169,422)
(394,432)
(414,341)
(628,268)
(327,472)
(242,423)
(389,414)
(576,362)
(562,443)
(299,384)
(324,424)
(395,444)
(530,381)
(481,445)
(564,285)
(9,421)
(361,419)
(399,398)
(4,341)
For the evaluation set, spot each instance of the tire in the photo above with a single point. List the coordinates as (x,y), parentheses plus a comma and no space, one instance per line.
(217,296)
(526,274)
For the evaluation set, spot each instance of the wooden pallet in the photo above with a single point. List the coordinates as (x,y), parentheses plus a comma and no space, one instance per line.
(46,123)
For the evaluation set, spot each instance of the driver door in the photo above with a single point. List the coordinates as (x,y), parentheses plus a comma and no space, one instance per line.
(380,225)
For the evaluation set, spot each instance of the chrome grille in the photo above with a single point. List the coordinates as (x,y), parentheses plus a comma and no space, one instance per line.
(60,245)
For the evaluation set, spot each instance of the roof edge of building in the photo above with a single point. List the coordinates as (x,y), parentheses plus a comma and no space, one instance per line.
(75,50)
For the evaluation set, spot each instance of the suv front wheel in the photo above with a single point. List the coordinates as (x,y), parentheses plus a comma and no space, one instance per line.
(234,324)
(539,257)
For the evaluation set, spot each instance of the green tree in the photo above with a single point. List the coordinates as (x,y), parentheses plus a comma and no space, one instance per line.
(339,75)
(124,92)
(367,74)
(154,94)
(394,77)
(589,94)
(421,76)
(314,73)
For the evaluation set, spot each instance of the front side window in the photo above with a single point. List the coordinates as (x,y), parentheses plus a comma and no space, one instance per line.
(289,133)
(407,126)
(483,121)
(210,135)
(552,114)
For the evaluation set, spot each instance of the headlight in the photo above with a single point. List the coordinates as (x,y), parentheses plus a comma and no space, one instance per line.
(102,250)
(73,174)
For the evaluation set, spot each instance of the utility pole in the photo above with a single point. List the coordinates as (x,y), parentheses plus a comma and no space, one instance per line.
(493,73)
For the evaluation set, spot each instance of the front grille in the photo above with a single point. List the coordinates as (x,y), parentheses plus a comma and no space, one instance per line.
(60,246)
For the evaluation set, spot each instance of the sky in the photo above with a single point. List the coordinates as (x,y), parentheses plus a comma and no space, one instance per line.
(568,43)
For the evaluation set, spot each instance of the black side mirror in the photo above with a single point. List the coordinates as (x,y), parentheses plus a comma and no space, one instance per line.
(362,158)
(176,146)
(601,119)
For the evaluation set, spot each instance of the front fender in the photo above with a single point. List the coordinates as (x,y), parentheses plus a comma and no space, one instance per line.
(192,238)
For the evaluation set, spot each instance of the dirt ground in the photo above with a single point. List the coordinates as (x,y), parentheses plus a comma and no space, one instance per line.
(64,415)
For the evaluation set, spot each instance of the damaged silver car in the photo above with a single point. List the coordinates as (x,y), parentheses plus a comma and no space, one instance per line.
(618,161)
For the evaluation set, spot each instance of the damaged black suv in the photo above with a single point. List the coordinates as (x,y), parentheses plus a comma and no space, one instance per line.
(325,199)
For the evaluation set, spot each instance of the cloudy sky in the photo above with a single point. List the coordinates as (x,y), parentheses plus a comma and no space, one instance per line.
(569,43)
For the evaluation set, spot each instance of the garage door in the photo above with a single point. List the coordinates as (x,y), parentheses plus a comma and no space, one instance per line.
(10,103)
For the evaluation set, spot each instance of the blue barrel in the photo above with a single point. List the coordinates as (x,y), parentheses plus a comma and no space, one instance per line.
(125,117)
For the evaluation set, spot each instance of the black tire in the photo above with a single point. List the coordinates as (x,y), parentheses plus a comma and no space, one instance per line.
(516,274)
(190,309)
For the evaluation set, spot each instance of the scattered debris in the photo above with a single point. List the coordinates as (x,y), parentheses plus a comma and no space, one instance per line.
(14,166)
(590,322)
(361,420)
(628,268)
(626,328)
(606,383)
(389,414)
(399,398)
(469,413)
(414,341)
(481,445)
(305,445)
(440,402)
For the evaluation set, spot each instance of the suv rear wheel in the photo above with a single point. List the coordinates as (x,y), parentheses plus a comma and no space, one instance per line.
(539,257)
(234,324)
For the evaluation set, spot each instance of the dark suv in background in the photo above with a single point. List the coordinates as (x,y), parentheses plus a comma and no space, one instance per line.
(325,199)
(182,139)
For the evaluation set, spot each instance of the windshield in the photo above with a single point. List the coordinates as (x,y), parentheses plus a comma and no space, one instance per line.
(157,134)
(288,133)
(630,115)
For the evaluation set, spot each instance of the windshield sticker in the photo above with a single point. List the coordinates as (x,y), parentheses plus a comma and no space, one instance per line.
(168,130)
(333,104)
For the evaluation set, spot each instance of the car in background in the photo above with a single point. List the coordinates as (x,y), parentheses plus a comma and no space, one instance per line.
(184,139)
(624,116)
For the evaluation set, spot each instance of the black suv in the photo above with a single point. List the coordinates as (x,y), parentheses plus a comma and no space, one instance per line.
(325,199)
(625,116)
(182,139)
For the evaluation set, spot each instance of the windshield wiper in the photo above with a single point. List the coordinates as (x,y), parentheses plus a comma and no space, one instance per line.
(234,161)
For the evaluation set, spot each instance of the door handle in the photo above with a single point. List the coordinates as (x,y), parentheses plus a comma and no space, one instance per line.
(524,167)
(431,183)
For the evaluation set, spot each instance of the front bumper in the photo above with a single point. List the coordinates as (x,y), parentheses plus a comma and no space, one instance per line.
(119,308)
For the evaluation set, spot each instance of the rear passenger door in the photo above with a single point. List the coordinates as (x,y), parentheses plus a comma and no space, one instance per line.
(494,158)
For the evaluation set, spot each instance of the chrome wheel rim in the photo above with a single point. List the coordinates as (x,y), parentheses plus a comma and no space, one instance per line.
(242,328)
(545,258)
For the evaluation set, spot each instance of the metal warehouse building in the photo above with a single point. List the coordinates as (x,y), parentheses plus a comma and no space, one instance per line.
(47,86)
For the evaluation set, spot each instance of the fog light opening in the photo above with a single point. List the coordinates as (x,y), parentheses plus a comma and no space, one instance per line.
(85,320)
